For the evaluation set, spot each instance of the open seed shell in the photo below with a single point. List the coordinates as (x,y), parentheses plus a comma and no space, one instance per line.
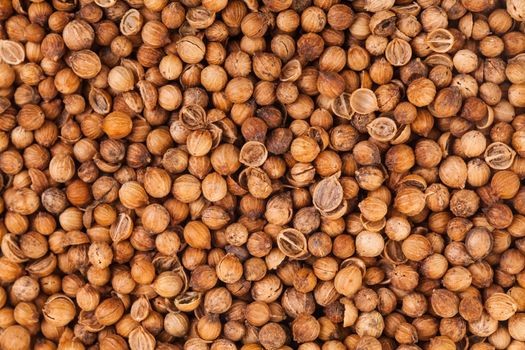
(341,106)
(486,122)
(402,135)
(253,154)
(373,226)
(337,213)
(291,71)
(188,301)
(293,244)
(193,117)
(410,9)
(499,156)
(354,262)
(394,253)
(327,194)
(398,52)
(439,59)
(320,135)
(440,40)
(12,52)
(106,3)
(363,101)
(131,22)
(11,249)
(382,129)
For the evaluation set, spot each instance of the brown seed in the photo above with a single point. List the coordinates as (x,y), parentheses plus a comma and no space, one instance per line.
(15,337)
(500,306)
(348,280)
(117,125)
(444,303)
(59,310)
(201,174)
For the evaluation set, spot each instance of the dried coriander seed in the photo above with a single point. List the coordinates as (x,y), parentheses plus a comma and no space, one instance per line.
(262,174)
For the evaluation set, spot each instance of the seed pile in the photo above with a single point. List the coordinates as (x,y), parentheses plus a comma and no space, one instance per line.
(262,174)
